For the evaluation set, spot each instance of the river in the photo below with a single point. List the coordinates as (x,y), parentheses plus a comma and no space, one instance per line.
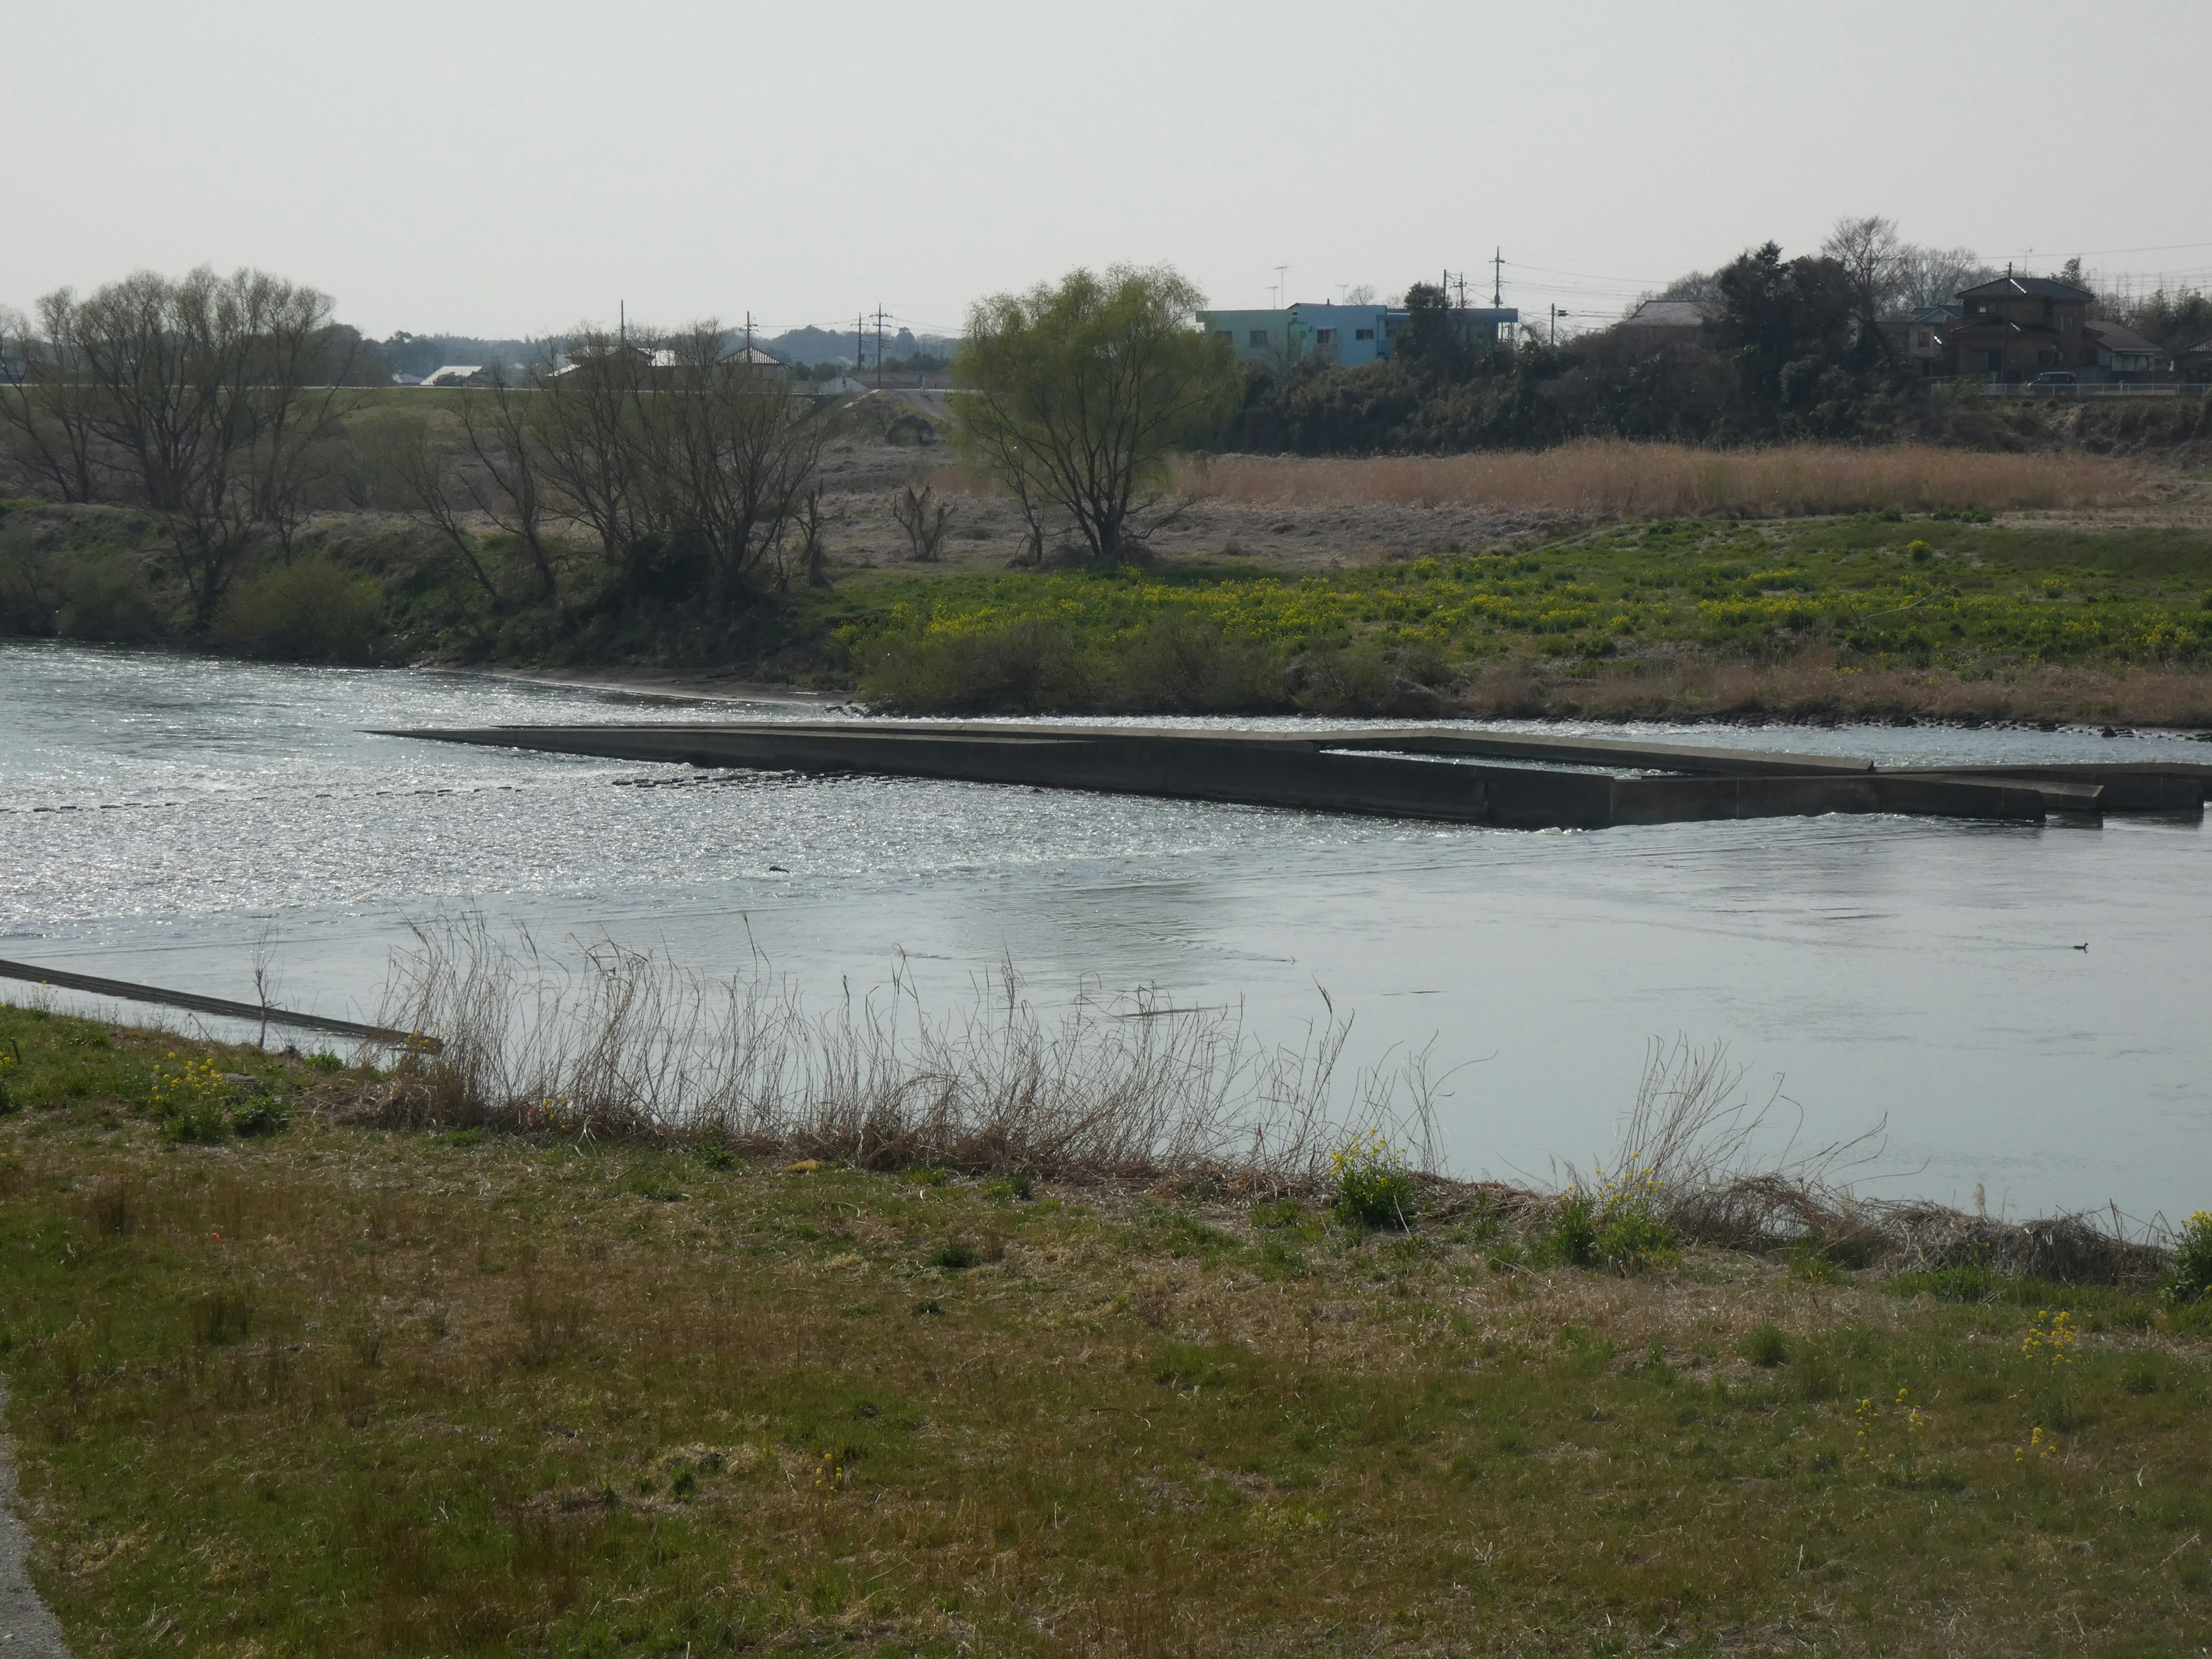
(168,818)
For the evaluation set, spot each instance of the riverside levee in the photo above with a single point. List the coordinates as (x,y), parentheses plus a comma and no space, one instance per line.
(1509,780)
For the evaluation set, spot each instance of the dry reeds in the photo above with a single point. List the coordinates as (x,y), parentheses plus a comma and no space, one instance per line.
(622,1043)
(1693,1134)
(1610,478)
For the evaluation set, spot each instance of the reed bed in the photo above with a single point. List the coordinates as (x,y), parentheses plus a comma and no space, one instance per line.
(1612,478)
(1704,1150)
(614,1042)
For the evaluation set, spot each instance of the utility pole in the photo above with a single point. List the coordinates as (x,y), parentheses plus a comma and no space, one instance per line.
(1282,286)
(880,345)
(1497,279)
(859,349)
(749,339)
(1556,314)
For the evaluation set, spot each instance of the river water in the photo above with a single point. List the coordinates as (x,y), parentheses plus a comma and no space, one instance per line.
(165,818)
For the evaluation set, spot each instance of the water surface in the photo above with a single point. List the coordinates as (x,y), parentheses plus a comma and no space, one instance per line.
(165,818)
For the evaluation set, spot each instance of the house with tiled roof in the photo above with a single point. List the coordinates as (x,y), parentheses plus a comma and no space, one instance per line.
(2119,350)
(2013,328)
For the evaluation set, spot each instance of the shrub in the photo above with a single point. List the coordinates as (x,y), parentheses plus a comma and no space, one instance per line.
(312,610)
(1613,1224)
(1026,666)
(2191,1278)
(108,599)
(1573,1230)
(190,1100)
(264,1114)
(1184,663)
(1632,1240)
(1374,1185)
(1765,1345)
(1408,680)
(954,1256)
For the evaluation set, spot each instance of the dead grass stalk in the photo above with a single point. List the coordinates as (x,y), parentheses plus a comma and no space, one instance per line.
(615,1043)
(1707,1148)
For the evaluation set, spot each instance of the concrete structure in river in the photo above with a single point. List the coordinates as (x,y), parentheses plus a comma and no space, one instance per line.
(1509,780)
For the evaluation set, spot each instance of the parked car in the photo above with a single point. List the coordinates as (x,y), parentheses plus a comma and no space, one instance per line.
(2054,383)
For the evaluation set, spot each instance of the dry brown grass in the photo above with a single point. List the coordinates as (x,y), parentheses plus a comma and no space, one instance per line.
(624,1043)
(1602,478)
(1704,1150)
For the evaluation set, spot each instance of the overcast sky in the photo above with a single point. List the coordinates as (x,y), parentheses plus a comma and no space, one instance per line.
(501,169)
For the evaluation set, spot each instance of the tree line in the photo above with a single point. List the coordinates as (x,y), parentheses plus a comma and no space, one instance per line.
(218,405)
(1791,348)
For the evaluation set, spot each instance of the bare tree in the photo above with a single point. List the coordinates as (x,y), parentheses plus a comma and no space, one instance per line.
(45,403)
(1937,275)
(925,520)
(813,556)
(1873,257)
(675,452)
(587,441)
(205,392)
(506,484)
(1698,286)
(436,498)
(730,453)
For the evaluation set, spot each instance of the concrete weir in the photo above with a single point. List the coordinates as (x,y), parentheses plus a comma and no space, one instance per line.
(1514,781)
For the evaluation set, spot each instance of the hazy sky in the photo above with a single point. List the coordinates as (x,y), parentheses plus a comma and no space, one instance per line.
(494,168)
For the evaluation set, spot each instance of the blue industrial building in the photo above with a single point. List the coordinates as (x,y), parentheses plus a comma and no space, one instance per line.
(1344,335)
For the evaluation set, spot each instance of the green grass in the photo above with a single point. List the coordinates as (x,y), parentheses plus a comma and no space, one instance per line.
(1881,589)
(337,1390)
(1625,602)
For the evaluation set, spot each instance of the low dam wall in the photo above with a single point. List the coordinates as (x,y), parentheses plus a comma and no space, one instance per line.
(1510,779)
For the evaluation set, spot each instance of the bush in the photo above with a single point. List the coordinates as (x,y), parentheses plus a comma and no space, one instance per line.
(264,1114)
(1765,1345)
(1632,1240)
(109,600)
(1612,1224)
(1573,1230)
(1408,680)
(313,610)
(1020,667)
(1181,664)
(1374,1187)
(190,1101)
(2191,1278)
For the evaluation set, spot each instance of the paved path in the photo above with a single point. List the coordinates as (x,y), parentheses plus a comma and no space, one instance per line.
(27,1631)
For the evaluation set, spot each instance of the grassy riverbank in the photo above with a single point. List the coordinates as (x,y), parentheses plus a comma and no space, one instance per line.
(332,1388)
(1873,615)
(1311,585)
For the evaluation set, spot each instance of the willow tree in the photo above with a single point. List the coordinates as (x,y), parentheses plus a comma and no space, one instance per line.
(1078,397)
